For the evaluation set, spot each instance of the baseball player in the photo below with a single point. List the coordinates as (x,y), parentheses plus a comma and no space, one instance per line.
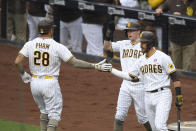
(155,68)
(45,57)
(130,51)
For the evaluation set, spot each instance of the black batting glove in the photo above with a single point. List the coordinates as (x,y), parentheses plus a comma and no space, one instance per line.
(179,98)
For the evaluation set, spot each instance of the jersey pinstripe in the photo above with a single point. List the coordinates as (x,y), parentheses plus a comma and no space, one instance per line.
(154,70)
(45,56)
(129,53)
(129,91)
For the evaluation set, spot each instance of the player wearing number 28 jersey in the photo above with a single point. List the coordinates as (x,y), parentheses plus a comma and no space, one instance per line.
(45,56)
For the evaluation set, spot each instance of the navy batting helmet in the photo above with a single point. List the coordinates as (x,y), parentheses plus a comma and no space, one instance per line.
(45,25)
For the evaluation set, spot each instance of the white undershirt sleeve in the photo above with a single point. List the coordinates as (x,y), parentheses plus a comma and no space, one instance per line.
(120,74)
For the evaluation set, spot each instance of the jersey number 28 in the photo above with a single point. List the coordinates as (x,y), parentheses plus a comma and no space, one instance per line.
(43,56)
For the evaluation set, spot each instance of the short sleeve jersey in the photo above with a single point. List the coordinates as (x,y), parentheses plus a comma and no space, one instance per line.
(45,55)
(154,70)
(129,53)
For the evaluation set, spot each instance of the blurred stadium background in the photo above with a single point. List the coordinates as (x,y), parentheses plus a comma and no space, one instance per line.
(144,14)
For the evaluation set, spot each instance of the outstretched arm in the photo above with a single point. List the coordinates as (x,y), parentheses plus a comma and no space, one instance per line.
(123,75)
(81,64)
(101,66)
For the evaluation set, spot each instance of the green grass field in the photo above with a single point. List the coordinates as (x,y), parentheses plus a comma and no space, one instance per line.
(15,126)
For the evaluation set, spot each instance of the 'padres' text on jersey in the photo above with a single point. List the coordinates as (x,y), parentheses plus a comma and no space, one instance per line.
(154,70)
(151,68)
(129,54)
(45,56)
(132,53)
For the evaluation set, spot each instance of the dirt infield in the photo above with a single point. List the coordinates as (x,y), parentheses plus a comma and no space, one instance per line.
(89,98)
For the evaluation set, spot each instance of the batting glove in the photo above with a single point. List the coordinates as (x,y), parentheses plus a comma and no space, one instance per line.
(25,77)
(102,66)
(179,98)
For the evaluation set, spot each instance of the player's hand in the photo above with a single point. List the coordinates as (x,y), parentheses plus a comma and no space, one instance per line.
(179,100)
(103,66)
(106,67)
(25,77)
(135,80)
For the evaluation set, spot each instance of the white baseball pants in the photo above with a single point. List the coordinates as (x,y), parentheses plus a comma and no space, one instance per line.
(128,94)
(47,96)
(158,106)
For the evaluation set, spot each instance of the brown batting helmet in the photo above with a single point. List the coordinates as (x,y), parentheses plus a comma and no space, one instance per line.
(132,26)
(45,25)
(149,38)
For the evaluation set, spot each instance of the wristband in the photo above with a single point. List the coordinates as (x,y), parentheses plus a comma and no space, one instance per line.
(178,91)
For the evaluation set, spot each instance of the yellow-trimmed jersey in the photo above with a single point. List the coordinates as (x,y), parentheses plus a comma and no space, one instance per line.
(154,70)
(129,53)
(45,55)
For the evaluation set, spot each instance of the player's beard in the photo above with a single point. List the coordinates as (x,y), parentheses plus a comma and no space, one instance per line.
(144,50)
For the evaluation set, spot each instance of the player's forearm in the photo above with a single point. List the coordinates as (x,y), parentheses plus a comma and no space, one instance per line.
(81,64)
(19,63)
(20,68)
(177,84)
(120,74)
(175,78)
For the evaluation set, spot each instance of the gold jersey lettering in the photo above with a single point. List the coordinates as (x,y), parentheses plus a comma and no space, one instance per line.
(131,53)
(42,45)
(135,54)
(151,69)
(159,69)
(155,68)
(142,70)
(125,53)
(140,54)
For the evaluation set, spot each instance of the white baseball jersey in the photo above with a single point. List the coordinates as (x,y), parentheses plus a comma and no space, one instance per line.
(154,70)
(129,91)
(45,56)
(129,54)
